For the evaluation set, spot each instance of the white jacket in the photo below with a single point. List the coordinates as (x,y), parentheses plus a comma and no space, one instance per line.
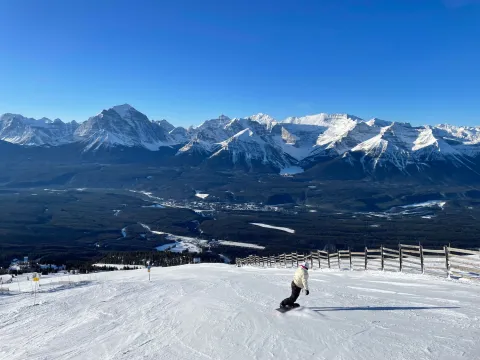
(301,278)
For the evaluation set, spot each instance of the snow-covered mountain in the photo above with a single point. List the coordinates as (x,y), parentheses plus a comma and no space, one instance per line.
(122,125)
(165,125)
(260,139)
(249,149)
(264,119)
(18,129)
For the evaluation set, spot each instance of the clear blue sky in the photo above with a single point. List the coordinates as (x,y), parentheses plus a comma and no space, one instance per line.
(191,60)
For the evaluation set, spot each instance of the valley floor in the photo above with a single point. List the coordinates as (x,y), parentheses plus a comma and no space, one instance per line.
(214,311)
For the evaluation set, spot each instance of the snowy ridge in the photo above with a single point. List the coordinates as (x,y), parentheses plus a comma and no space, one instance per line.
(246,146)
(18,129)
(296,141)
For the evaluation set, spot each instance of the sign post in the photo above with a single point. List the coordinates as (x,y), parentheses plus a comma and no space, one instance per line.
(35,279)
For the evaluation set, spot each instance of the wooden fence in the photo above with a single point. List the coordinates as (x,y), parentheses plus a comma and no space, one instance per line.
(448,261)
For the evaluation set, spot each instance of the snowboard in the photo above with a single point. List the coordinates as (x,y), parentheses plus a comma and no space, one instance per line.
(288,308)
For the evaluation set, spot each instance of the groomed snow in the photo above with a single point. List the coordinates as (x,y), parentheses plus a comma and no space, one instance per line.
(216,311)
(291,231)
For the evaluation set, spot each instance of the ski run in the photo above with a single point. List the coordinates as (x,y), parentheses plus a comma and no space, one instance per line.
(217,312)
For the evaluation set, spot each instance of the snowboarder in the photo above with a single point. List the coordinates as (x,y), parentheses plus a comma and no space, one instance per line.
(300,281)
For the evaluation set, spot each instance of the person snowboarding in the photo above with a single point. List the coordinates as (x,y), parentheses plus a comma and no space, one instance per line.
(300,281)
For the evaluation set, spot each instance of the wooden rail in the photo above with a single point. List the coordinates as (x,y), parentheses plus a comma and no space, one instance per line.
(452,261)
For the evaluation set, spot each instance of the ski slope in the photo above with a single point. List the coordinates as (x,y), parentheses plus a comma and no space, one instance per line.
(216,311)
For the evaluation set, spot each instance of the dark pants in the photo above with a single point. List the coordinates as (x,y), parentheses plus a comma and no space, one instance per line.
(295,294)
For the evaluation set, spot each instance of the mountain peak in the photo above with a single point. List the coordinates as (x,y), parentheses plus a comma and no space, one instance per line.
(264,119)
(164,124)
(123,110)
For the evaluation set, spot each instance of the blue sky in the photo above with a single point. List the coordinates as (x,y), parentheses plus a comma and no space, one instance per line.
(191,60)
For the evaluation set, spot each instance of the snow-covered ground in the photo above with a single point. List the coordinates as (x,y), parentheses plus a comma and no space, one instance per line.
(239,244)
(291,231)
(118,266)
(180,246)
(201,195)
(431,203)
(426,210)
(292,170)
(216,311)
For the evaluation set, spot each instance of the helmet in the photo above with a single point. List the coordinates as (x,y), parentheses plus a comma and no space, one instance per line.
(306,265)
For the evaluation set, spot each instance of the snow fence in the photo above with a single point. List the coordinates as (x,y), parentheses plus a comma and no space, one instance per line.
(446,261)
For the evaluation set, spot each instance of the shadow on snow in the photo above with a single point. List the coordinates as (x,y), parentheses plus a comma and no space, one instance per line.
(380,308)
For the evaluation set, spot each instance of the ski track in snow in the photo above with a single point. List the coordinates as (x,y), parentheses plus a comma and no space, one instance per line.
(216,311)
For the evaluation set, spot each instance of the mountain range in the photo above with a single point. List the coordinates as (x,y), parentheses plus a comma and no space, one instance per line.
(323,145)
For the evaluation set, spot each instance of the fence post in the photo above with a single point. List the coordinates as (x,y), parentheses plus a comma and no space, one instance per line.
(381,255)
(328,257)
(285,259)
(447,261)
(296,257)
(401,256)
(421,258)
(338,255)
(319,265)
(366,258)
(350,255)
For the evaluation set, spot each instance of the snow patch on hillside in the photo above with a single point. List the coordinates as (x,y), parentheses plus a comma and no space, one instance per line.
(431,203)
(291,231)
(291,170)
(201,195)
(239,244)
